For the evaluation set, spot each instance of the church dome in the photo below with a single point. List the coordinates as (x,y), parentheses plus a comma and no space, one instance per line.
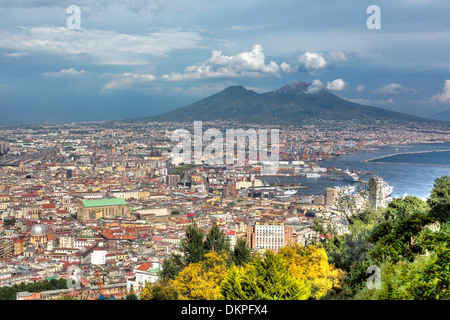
(39,230)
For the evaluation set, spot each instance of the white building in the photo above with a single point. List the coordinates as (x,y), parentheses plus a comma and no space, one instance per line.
(98,256)
(146,272)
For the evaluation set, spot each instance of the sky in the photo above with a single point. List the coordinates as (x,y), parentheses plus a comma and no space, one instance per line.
(123,59)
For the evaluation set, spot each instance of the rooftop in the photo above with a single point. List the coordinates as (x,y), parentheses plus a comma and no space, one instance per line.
(103,202)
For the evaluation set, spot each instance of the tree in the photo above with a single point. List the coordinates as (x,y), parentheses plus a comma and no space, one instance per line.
(216,240)
(264,279)
(201,280)
(439,199)
(241,254)
(397,240)
(163,289)
(311,264)
(171,267)
(192,245)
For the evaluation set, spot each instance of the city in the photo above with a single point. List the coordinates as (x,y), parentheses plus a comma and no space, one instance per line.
(108,199)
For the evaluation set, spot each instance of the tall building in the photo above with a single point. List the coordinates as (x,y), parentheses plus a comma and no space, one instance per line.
(331,196)
(269,236)
(379,191)
(230,190)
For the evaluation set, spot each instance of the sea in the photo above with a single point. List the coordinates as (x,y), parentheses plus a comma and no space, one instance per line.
(410,169)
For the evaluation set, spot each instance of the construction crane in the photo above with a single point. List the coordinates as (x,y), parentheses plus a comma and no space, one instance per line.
(101,288)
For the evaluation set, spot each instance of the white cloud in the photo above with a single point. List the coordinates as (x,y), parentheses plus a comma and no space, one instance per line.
(360,88)
(65,72)
(315,86)
(16,54)
(250,64)
(338,55)
(127,79)
(286,67)
(445,95)
(393,89)
(102,46)
(336,85)
(312,61)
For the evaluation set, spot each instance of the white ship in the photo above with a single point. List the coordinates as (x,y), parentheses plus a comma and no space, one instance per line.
(350,176)
(290,191)
(312,175)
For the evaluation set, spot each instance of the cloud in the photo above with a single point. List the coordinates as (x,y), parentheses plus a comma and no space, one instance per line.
(286,67)
(102,46)
(16,54)
(392,89)
(248,28)
(336,85)
(444,96)
(387,101)
(249,64)
(315,87)
(65,72)
(125,80)
(310,62)
(360,88)
(338,55)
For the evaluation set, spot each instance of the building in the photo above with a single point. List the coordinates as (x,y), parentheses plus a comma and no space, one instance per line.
(269,236)
(145,273)
(331,196)
(102,208)
(379,191)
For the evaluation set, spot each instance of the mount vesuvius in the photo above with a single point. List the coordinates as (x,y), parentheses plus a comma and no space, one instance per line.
(294,103)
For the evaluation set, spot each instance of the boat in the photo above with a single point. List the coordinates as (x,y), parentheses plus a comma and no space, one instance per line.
(312,175)
(290,191)
(350,176)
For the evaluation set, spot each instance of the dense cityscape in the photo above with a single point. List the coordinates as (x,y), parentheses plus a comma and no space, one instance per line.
(108,198)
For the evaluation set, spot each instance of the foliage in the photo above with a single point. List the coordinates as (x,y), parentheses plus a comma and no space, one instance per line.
(192,245)
(216,240)
(311,264)
(201,280)
(171,267)
(163,289)
(9,293)
(241,253)
(439,200)
(264,279)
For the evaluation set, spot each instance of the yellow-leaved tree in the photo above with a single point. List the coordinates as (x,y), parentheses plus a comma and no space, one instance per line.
(311,263)
(201,280)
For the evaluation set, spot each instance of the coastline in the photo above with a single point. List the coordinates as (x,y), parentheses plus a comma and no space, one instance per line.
(373,160)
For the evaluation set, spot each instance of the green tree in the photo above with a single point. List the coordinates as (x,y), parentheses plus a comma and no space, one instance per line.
(192,245)
(171,267)
(216,240)
(439,199)
(241,253)
(264,279)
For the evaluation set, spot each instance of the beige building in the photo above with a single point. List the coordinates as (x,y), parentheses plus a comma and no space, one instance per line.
(102,208)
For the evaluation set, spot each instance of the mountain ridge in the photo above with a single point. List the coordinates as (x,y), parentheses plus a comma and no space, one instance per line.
(295,102)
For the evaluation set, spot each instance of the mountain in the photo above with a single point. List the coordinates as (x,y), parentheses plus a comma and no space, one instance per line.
(291,104)
(442,116)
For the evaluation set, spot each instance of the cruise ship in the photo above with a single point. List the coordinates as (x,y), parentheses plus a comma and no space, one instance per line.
(350,176)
